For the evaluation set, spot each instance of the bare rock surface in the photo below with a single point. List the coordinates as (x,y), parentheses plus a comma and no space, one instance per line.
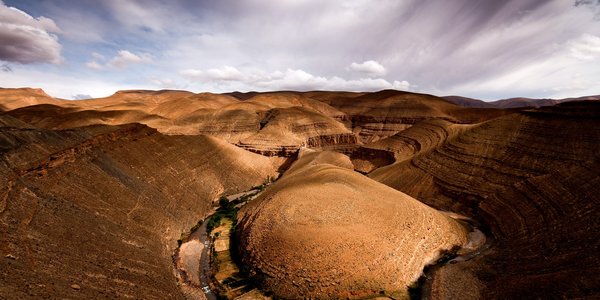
(533,180)
(92,203)
(95,212)
(324,231)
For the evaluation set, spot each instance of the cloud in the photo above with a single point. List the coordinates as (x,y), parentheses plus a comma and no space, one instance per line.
(369,67)
(226,73)
(124,58)
(290,79)
(98,56)
(587,47)
(119,61)
(94,65)
(26,39)
(166,83)
(81,97)
(593,5)
(488,49)
(5,68)
(141,14)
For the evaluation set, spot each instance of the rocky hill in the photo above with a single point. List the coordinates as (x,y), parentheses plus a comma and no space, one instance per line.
(323,231)
(96,211)
(94,194)
(532,179)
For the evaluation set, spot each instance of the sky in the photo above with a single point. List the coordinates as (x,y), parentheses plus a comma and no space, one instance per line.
(485,49)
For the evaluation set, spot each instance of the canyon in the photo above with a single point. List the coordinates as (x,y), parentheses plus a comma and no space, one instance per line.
(95,194)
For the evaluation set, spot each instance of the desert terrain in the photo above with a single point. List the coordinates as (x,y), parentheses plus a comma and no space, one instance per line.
(360,194)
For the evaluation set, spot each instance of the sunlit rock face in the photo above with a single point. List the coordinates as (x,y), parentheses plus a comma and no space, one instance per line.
(324,231)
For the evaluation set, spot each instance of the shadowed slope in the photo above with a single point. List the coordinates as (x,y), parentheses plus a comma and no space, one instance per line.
(533,179)
(324,231)
(469,102)
(101,207)
(514,102)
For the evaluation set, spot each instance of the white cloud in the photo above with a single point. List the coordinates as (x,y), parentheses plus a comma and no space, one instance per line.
(226,73)
(26,39)
(120,61)
(94,65)
(65,86)
(369,67)
(153,15)
(166,83)
(162,82)
(290,79)
(587,47)
(124,58)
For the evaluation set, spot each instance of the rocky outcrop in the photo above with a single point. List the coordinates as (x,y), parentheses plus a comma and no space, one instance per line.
(367,159)
(323,141)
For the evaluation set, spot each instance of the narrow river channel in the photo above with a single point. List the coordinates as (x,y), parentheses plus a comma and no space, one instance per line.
(193,262)
(192,258)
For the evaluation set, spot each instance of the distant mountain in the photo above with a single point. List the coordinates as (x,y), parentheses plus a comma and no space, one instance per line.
(524,102)
(469,102)
(513,102)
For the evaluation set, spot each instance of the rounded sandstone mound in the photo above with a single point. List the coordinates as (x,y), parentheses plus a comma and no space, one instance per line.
(324,231)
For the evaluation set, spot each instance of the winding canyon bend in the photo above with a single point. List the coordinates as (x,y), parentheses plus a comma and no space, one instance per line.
(94,194)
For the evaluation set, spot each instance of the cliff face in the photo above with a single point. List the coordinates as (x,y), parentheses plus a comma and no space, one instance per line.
(102,207)
(324,231)
(533,180)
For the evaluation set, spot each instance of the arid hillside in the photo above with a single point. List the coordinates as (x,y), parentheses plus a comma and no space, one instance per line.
(94,194)
(95,212)
(532,178)
(323,231)
(275,123)
(16,98)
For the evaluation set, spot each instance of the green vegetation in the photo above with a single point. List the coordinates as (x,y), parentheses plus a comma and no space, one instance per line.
(259,188)
(227,209)
(239,280)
